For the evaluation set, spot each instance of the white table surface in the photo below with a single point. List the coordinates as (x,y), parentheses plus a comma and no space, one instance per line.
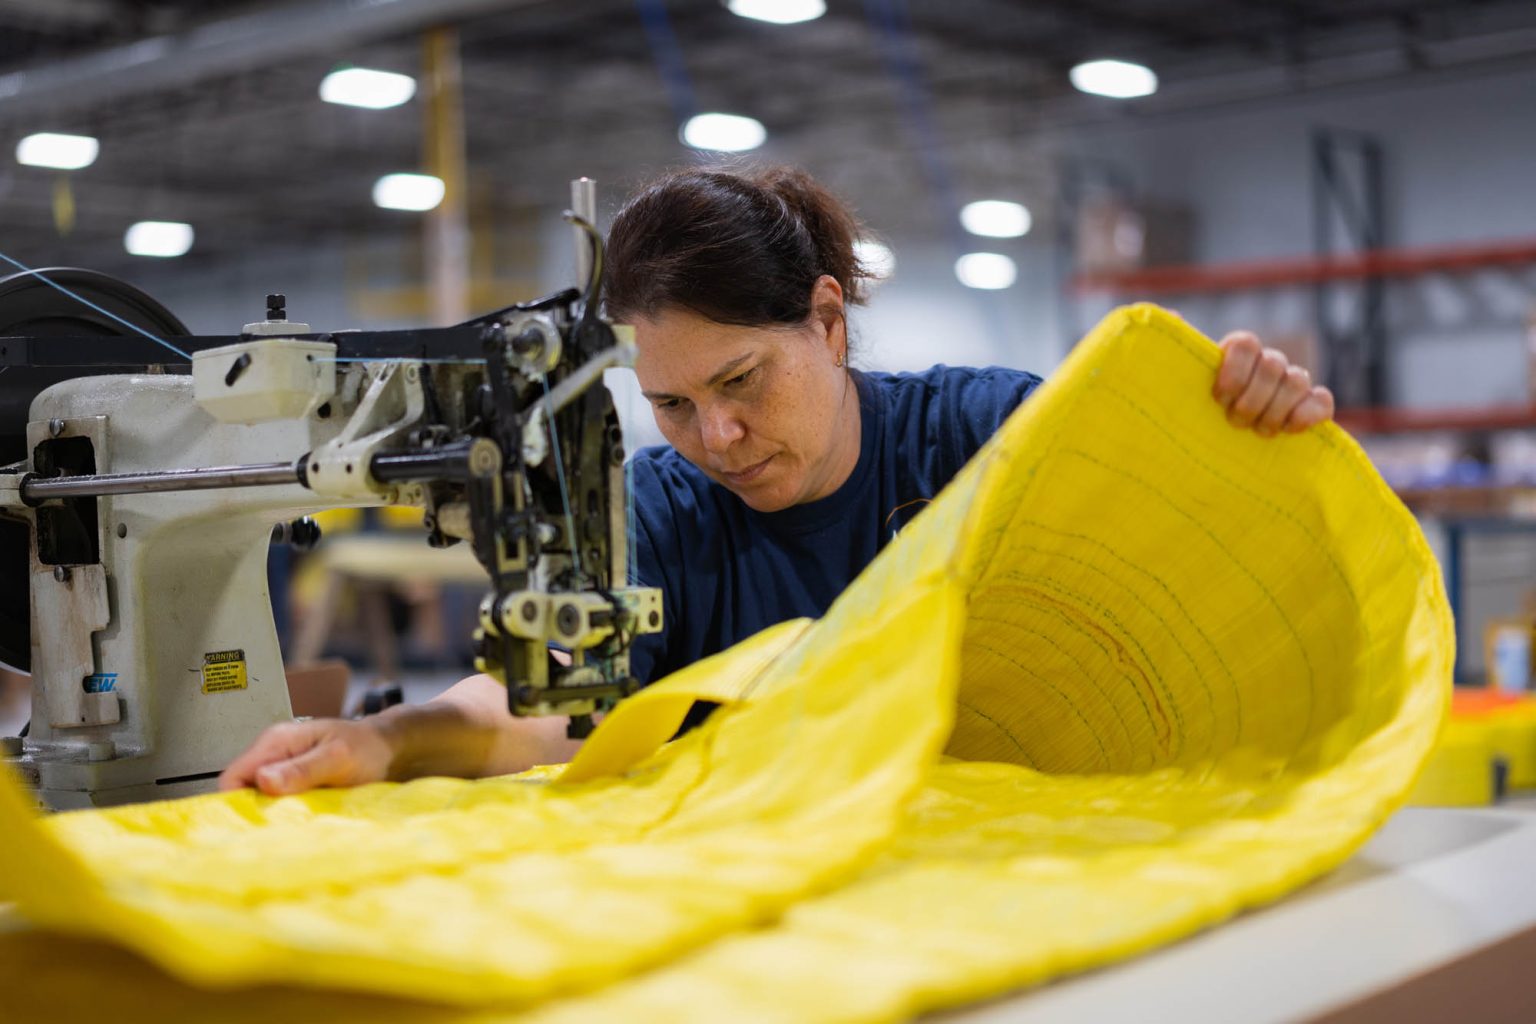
(1433,885)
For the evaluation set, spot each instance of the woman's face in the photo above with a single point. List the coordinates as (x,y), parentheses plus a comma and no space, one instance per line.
(766,412)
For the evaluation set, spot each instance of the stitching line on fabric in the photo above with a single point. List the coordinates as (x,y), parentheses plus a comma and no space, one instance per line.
(1194,624)
(1357,464)
(1053,688)
(1108,702)
(1052,608)
(1163,702)
(1280,611)
(1356,461)
(973,709)
(1236,485)
(1210,697)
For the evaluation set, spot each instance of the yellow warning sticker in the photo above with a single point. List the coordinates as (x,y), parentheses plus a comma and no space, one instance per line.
(223,671)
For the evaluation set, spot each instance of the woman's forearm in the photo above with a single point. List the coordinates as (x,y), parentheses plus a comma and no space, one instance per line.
(467,731)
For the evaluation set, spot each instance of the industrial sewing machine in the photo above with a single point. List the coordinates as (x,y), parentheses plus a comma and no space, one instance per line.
(140,490)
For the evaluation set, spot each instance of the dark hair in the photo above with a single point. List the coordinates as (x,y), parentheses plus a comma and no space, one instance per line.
(738,247)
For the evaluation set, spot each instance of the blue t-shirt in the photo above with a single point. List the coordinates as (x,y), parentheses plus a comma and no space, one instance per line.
(727,571)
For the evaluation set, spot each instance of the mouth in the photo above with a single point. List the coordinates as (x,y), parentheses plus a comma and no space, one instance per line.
(746,476)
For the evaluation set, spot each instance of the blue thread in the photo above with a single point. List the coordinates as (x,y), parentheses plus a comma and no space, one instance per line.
(86,302)
(400,359)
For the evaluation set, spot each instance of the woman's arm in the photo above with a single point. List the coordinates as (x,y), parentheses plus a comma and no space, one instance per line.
(465,731)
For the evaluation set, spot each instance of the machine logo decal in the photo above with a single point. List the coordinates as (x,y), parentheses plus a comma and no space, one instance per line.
(223,671)
(101,682)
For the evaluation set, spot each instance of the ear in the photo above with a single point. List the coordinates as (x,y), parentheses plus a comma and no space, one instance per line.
(827,311)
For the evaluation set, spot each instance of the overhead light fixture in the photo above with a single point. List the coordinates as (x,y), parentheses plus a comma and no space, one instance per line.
(989,270)
(158,238)
(61,152)
(780,12)
(996,218)
(1117,79)
(416,192)
(365,87)
(729,133)
(876,258)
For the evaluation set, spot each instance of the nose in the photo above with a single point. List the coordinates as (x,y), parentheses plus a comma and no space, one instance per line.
(719,428)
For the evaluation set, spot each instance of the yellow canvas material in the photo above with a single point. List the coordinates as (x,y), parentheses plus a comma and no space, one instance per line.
(1133,671)
(1489,735)
(1460,771)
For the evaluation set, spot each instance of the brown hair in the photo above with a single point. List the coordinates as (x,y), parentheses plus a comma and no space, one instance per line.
(739,247)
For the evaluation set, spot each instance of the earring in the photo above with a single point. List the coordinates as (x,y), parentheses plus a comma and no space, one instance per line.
(840,358)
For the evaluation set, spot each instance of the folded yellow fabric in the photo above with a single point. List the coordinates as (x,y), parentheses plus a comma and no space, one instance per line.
(1179,670)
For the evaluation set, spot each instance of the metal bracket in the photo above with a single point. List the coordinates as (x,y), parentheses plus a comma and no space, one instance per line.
(73,599)
(390,407)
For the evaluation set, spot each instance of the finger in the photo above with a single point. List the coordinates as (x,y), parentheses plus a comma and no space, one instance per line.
(327,764)
(1316,408)
(1294,388)
(1240,353)
(276,743)
(1267,376)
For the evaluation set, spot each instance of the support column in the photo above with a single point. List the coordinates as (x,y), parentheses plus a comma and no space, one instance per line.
(447,227)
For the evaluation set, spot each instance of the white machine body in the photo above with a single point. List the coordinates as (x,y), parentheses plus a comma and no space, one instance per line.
(161,662)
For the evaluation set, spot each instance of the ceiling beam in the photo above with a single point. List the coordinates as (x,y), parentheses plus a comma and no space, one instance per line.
(261,37)
(69,13)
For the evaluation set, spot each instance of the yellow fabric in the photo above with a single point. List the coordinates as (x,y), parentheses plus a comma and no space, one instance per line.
(1460,771)
(1485,726)
(1173,670)
(1514,737)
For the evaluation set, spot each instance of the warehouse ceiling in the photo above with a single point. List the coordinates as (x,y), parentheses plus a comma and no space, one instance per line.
(207,112)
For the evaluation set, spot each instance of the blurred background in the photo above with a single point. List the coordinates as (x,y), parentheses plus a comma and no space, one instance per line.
(1355,180)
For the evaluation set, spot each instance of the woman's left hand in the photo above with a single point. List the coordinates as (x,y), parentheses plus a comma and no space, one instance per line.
(1259,388)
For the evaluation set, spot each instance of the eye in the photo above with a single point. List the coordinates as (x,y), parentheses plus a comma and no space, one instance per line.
(740,378)
(669,404)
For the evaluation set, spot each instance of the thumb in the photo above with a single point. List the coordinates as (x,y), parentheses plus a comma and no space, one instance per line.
(321,765)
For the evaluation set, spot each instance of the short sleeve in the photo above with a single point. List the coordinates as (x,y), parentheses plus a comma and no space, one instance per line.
(945,415)
(981,400)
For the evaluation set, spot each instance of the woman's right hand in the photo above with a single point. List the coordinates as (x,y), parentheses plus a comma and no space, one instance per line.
(292,757)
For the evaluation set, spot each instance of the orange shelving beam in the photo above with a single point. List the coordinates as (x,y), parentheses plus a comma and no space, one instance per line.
(1385,420)
(1189,279)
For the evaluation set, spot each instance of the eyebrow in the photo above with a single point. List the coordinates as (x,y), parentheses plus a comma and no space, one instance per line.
(725,371)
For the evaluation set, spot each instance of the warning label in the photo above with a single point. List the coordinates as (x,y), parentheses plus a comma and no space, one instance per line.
(223,671)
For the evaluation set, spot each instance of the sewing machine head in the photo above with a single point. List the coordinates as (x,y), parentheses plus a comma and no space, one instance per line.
(137,501)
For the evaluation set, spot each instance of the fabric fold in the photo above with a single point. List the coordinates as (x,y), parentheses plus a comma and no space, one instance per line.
(1133,671)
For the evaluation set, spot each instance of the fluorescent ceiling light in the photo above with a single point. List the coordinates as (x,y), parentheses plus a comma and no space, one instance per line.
(995,218)
(780,12)
(876,258)
(158,238)
(63,152)
(990,270)
(1118,79)
(729,133)
(408,191)
(365,87)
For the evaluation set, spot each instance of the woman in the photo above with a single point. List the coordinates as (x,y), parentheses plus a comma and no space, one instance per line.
(788,471)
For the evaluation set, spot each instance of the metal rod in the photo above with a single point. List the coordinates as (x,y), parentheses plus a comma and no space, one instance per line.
(584,376)
(583,205)
(448,463)
(260,475)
